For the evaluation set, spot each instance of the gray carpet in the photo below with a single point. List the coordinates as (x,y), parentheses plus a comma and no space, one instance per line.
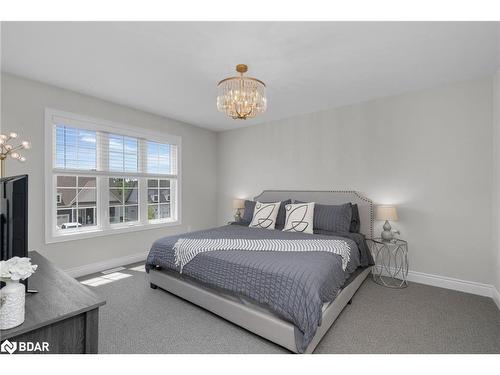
(418,319)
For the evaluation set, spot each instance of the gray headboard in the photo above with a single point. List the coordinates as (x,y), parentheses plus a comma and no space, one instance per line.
(365,205)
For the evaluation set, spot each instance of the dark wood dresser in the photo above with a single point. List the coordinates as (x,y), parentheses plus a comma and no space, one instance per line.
(64,313)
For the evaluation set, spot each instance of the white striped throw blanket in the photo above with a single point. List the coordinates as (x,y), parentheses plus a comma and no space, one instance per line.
(185,249)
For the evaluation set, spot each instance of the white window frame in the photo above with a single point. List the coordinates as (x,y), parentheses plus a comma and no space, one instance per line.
(103,228)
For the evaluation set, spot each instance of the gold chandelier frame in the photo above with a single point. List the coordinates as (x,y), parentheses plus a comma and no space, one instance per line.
(242,68)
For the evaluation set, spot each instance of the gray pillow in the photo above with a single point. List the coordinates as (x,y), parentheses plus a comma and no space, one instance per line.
(248,213)
(355,221)
(250,207)
(332,218)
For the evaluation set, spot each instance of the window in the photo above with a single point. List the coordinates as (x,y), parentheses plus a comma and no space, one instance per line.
(158,158)
(158,199)
(78,202)
(104,178)
(123,200)
(75,148)
(123,153)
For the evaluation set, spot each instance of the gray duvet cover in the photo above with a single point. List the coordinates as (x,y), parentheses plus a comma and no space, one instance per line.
(292,285)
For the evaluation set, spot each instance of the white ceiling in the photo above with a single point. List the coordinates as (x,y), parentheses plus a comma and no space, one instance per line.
(172,68)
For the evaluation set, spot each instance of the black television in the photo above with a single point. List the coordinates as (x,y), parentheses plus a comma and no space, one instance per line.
(14,217)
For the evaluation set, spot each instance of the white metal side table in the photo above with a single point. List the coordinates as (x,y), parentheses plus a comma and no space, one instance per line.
(391,262)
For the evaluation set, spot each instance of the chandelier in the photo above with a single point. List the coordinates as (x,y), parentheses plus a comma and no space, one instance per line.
(241,97)
(7,149)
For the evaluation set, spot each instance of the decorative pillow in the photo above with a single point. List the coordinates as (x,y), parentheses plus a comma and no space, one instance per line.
(299,218)
(250,206)
(332,218)
(248,213)
(264,215)
(355,222)
(280,219)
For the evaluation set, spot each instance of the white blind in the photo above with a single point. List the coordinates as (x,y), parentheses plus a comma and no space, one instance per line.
(75,148)
(78,149)
(123,152)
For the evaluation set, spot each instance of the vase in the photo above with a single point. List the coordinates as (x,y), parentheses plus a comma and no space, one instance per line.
(12,298)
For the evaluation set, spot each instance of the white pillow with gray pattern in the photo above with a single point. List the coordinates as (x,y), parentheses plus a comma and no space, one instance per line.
(264,215)
(299,218)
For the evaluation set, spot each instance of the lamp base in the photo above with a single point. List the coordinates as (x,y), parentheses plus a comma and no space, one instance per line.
(2,167)
(237,216)
(387,234)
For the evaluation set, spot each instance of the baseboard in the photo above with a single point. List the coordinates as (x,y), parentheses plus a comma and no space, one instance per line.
(451,283)
(496,297)
(485,290)
(107,264)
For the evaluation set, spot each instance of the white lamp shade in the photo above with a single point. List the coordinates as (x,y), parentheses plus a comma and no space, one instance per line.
(238,203)
(386,213)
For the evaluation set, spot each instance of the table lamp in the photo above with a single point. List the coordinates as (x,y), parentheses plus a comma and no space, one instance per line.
(386,213)
(238,204)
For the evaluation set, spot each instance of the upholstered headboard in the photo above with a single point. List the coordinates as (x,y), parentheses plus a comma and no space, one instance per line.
(365,205)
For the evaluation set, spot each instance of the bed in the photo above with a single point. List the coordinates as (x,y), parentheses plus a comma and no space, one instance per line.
(291,299)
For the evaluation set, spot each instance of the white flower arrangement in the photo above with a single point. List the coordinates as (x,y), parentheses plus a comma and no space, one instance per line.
(17,268)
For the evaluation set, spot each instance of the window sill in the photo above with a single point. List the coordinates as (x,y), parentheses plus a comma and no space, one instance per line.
(74,236)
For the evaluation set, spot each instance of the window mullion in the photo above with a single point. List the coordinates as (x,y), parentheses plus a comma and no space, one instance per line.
(102,151)
(75,218)
(122,193)
(173,199)
(143,201)
(143,182)
(103,204)
(123,158)
(103,191)
(53,206)
(142,156)
(158,203)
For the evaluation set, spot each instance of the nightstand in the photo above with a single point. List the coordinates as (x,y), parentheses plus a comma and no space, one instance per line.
(391,262)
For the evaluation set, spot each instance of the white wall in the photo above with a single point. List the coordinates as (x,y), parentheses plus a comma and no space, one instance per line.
(428,152)
(435,165)
(23,105)
(496,183)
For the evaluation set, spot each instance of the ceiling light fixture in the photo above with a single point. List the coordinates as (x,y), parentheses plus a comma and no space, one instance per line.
(6,149)
(241,97)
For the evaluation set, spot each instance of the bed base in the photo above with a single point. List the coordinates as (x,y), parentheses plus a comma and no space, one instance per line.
(255,319)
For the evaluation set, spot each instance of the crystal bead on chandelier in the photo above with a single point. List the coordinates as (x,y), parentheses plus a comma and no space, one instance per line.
(241,97)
